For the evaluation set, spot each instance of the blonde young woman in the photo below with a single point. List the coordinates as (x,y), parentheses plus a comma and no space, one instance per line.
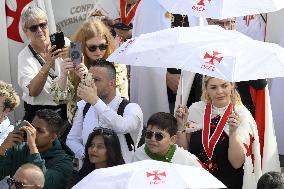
(222,133)
(96,43)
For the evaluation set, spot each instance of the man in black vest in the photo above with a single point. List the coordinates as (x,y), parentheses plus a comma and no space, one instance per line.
(102,105)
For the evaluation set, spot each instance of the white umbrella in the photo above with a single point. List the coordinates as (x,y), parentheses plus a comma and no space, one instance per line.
(221,9)
(208,50)
(150,174)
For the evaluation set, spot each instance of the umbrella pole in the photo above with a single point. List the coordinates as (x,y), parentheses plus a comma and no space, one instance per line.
(233,100)
(181,99)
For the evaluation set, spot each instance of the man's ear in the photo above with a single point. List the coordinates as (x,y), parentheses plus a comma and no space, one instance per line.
(173,139)
(53,136)
(112,83)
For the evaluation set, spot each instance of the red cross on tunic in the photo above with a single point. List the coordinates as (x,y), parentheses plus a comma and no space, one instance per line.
(249,149)
(156,175)
(213,57)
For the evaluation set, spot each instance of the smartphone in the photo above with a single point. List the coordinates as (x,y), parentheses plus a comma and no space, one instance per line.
(75,52)
(19,124)
(122,26)
(58,40)
(87,79)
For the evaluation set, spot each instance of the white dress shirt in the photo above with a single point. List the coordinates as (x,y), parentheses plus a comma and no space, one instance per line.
(106,116)
(5,129)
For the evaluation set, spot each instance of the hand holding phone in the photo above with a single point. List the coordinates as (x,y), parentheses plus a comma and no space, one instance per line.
(57,39)
(75,52)
(19,124)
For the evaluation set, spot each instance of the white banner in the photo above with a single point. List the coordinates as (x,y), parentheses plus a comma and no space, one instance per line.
(69,14)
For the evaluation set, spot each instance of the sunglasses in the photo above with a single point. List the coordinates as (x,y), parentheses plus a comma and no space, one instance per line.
(18,184)
(103,131)
(34,28)
(158,135)
(93,48)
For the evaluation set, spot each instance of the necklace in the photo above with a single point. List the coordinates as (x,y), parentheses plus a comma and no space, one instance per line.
(165,158)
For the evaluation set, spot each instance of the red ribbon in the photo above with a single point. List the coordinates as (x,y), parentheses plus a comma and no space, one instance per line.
(127,17)
(209,144)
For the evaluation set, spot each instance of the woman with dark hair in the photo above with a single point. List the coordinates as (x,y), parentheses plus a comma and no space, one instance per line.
(102,150)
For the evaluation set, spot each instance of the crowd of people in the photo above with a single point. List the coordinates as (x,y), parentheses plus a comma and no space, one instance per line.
(78,117)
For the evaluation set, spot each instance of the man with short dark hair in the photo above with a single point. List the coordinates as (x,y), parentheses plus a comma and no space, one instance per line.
(41,148)
(103,106)
(27,176)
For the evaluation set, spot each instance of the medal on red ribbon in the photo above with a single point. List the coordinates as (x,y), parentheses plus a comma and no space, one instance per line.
(210,143)
(126,17)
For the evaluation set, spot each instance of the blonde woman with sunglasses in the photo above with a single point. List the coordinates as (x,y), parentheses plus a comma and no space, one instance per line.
(96,43)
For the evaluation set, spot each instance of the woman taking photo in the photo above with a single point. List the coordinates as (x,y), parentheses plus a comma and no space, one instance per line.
(96,43)
(221,132)
(102,150)
(38,64)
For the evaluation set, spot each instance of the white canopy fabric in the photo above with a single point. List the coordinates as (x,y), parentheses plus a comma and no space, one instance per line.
(221,9)
(208,50)
(149,174)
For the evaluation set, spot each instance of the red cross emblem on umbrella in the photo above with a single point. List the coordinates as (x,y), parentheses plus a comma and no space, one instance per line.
(156,175)
(213,57)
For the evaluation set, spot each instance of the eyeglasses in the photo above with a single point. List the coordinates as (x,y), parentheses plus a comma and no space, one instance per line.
(18,184)
(93,48)
(103,131)
(158,135)
(34,28)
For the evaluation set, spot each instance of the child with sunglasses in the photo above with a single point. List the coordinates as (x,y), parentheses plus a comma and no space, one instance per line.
(160,139)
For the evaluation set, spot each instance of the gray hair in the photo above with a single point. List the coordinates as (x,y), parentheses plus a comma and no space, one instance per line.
(31,14)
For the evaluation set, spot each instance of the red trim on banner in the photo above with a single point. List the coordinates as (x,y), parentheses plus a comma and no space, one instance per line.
(258,98)
(126,18)
(209,144)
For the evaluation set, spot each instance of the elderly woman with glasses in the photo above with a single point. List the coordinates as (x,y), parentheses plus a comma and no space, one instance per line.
(38,64)
(102,150)
(96,43)
(222,133)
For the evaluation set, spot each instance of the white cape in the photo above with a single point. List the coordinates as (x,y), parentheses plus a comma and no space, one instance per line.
(247,128)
